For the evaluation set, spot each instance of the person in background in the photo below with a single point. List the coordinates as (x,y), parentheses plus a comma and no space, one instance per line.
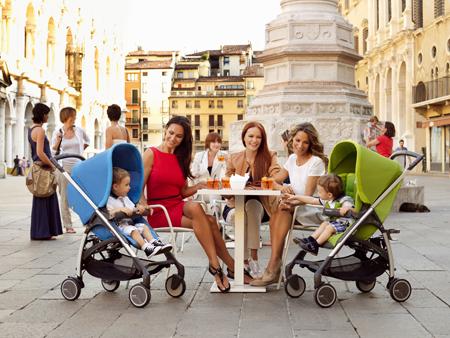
(115,133)
(16,170)
(403,160)
(45,217)
(69,139)
(372,130)
(23,166)
(384,142)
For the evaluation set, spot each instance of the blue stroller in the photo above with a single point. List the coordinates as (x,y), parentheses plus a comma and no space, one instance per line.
(105,252)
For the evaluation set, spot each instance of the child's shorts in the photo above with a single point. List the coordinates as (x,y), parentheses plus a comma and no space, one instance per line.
(339,226)
(128,229)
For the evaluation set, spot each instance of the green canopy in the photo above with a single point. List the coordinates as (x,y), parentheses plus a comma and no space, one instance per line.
(373,173)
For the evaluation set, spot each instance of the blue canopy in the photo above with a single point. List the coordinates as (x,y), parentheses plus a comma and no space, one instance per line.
(94,176)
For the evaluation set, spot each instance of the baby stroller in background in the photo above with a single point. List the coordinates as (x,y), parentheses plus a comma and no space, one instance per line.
(373,182)
(101,253)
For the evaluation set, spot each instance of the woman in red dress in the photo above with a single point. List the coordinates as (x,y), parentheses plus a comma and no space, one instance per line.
(166,170)
(384,142)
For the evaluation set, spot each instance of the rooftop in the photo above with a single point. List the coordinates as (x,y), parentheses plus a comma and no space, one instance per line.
(165,64)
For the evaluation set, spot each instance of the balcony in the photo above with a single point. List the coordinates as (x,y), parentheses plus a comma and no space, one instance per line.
(204,93)
(133,120)
(435,92)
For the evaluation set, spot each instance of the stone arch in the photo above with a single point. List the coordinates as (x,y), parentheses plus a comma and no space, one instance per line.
(388,95)
(402,111)
(421,92)
(51,42)
(53,117)
(70,56)
(30,33)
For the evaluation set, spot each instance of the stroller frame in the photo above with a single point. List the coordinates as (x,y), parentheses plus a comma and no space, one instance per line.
(139,294)
(325,295)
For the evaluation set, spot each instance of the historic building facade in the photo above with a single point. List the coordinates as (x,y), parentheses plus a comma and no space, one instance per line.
(214,88)
(148,79)
(56,54)
(406,52)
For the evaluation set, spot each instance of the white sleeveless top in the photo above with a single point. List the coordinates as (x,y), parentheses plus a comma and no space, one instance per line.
(118,141)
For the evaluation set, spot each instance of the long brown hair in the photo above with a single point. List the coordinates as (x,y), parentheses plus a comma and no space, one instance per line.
(183,152)
(315,146)
(263,157)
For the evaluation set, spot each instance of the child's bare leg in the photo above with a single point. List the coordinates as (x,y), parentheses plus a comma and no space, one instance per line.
(147,234)
(327,233)
(316,234)
(138,238)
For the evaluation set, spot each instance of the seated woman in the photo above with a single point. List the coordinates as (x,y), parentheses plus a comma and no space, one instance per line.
(166,170)
(303,167)
(209,163)
(259,162)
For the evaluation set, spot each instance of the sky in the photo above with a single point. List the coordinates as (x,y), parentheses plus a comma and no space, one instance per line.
(194,25)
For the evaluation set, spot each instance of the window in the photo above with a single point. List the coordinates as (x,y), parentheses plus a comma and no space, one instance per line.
(250,99)
(144,73)
(211,120)
(226,60)
(439,8)
(418,13)
(163,87)
(240,103)
(145,123)
(211,104)
(211,131)
(144,104)
(180,75)
(197,103)
(389,10)
(189,117)
(134,96)
(356,42)
(448,45)
(188,104)
(144,87)
(175,104)
(226,72)
(220,132)
(135,115)
(164,73)
(197,120)
(132,77)
(240,117)
(220,120)
(433,51)
(377,10)
(219,103)
(419,58)
(145,137)
(403,5)
(250,85)
(135,133)
(197,135)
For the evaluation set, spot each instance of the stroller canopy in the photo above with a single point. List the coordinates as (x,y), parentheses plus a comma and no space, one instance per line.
(94,176)
(374,174)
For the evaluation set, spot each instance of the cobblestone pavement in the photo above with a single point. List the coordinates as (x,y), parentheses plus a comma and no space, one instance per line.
(31,304)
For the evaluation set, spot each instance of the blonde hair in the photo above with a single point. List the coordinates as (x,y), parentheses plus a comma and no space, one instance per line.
(119,174)
(66,112)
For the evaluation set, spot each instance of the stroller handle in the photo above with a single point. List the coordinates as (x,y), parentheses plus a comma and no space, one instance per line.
(55,159)
(418,157)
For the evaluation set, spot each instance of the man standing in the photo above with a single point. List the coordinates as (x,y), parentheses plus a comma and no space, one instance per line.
(16,166)
(402,159)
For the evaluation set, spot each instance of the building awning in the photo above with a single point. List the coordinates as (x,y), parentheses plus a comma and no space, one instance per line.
(436,122)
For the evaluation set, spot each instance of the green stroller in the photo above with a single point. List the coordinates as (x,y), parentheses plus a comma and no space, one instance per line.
(373,181)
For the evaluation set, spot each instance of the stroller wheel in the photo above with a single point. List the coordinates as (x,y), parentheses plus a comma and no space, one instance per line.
(71,288)
(400,290)
(365,286)
(175,286)
(325,295)
(294,286)
(110,285)
(139,295)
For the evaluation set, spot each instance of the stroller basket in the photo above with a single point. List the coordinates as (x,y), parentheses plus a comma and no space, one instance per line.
(122,269)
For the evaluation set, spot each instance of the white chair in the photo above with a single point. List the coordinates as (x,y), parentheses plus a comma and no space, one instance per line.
(295,225)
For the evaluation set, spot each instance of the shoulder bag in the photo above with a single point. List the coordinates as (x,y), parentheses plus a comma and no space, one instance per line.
(41,181)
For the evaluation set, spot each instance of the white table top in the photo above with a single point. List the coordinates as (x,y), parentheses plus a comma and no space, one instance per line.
(243,192)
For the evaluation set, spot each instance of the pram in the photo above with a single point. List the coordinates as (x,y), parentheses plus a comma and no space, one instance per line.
(105,252)
(373,181)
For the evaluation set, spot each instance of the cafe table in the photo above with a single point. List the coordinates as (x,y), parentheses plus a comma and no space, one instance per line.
(238,284)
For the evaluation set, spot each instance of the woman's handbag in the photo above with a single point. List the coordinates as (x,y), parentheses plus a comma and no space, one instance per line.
(41,181)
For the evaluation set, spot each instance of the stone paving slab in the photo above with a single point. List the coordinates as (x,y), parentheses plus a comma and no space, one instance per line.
(31,304)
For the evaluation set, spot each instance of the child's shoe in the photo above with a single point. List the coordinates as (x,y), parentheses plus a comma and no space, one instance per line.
(298,240)
(255,270)
(152,250)
(164,248)
(310,245)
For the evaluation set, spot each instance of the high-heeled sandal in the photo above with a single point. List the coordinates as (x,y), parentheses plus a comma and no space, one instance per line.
(230,273)
(218,271)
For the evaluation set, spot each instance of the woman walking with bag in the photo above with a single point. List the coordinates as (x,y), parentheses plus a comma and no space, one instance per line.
(45,217)
(68,140)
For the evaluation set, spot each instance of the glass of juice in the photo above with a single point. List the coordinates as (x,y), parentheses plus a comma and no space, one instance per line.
(226,183)
(264,182)
(210,183)
(269,183)
(216,183)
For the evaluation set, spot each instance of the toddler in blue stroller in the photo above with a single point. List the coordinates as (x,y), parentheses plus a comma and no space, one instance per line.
(106,250)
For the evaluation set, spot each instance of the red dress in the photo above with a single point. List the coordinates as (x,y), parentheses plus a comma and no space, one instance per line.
(384,148)
(164,186)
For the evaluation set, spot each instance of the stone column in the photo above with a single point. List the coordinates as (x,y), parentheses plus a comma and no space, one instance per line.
(9,140)
(2,130)
(20,125)
(371,40)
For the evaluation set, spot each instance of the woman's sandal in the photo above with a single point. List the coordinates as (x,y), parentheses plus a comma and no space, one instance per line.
(230,273)
(218,271)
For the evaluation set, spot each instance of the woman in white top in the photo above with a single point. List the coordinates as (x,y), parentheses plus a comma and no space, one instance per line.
(209,163)
(68,140)
(115,133)
(303,167)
